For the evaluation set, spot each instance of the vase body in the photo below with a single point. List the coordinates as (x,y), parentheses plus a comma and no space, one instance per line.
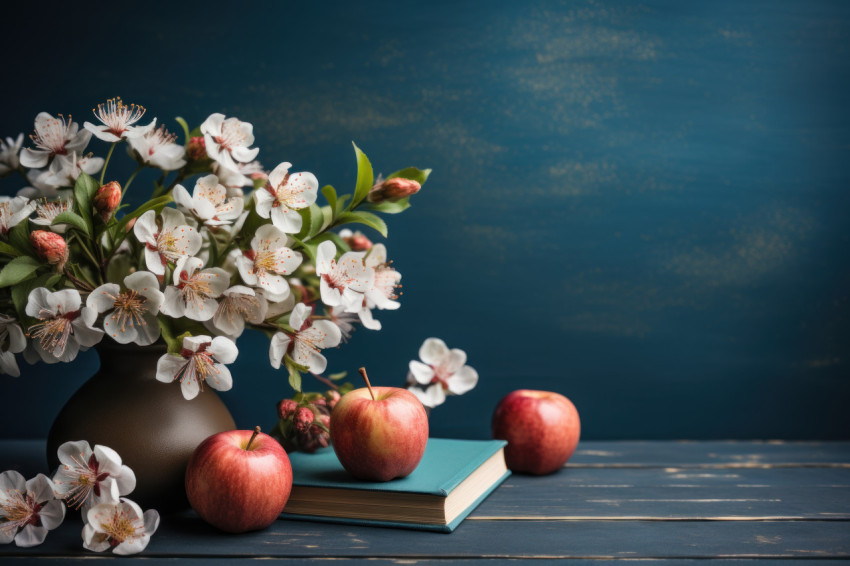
(149,423)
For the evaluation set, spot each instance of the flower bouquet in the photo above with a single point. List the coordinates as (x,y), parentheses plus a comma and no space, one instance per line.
(221,245)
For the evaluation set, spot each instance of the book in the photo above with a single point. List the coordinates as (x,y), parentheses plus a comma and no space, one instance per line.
(453,477)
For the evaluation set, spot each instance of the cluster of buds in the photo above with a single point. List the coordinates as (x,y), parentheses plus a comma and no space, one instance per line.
(305,426)
(393,190)
(50,247)
(106,200)
(196,148)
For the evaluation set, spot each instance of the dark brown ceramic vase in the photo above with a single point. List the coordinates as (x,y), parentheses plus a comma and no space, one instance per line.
(149,423)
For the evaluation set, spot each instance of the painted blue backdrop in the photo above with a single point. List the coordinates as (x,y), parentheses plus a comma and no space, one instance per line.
(642,206)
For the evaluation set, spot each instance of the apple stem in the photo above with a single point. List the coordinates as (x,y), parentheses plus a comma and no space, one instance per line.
(366,379)
(253,436)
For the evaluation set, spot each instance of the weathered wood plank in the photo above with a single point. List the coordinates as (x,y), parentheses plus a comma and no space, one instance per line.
(710,453)
(674,493)
(189,536)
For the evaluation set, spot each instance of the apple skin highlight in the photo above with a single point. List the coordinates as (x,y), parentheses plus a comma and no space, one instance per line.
(380,439)
(542,429)
(238,490)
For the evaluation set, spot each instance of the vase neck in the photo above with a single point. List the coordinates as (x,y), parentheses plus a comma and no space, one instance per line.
(129,361)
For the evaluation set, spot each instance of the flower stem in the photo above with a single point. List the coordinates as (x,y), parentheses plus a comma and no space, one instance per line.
(130,180)
(253,436)
(325,380)
(369,385)
(105,163)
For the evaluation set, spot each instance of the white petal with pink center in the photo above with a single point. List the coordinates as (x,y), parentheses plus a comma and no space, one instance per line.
(208,202)
(268,261)
(53,136)
(87,477)
(121,526)
(65,169)
(343,282)
(286,193)
(441,368)
(195,290)
(306,344)
(64,327)
(13,211)
(237,305)
(158,149)
(227,140)
(118,121)
(175,240)
(12,341)
(28,509)
(130,315)
(9,149)
(47,211)
(201,361)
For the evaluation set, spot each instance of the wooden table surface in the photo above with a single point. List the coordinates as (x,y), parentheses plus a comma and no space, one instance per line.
(668,502)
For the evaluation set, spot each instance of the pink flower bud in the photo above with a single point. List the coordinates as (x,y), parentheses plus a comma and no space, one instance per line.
(197,148)
(332,398)
(107,199)
(286,408)
(393,189)
(50,246)
(303,419)
(358,242)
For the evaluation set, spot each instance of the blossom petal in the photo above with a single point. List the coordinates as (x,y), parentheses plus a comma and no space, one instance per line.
(305,355)
(182,198)
(132,546)
(421,373)
(30,536)
(153,261)
(41,488)
(173,304)
(200,309)
(325,334)
(190,388)
(122,333)
(108,460)
(125,480)
(52,514)
(433,351)
(93,540)
(465,379)
(168,366)
(300,314)
(151,520)
(325,254)
(287,220)
(277,348)
(73,453)
(11,481)
(432,397)
(455,360)
(224,350)
(222,380)
(102,298)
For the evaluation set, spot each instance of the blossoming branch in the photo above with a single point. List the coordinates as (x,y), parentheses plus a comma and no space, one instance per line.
(221,245)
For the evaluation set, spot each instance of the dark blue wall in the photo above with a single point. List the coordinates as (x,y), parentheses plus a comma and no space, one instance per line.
(644,207)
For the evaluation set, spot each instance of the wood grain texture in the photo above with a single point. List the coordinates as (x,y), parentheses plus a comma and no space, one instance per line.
(671,502)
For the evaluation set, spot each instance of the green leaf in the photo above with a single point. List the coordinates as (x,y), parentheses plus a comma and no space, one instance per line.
(308,247)
(294,377)
(337,376)
(412,173)
(74,220)
(366,218)
(84,191)
(156,204)
(8,250)
(185,127)
(327,218)
(391,207)
(365,177)
(19,269)
(330,195)
(19,238)
(340,204)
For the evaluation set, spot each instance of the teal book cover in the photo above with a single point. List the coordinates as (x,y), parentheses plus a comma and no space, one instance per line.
(445,466)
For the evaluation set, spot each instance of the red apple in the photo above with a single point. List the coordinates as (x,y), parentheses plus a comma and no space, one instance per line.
(239,480)
(542,429)
(379,433)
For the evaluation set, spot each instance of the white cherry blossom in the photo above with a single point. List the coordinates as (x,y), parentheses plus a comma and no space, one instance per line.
(131,313)
(344,282)
(13,211)
(209,202)
(381,291)
(285,194)
(268,260)
(9,150)
(38,187)
(238,304)
(12,341)
(243,176)
(47,211)
(307,342)
(120,526)
(87,477)
(168,244)
(158,149)
(28,509)
(202,360)
(195,290)
(53,136)
(442,371)
(344,320)
(227,140)
(65,169)
(118,121)
(65,325)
